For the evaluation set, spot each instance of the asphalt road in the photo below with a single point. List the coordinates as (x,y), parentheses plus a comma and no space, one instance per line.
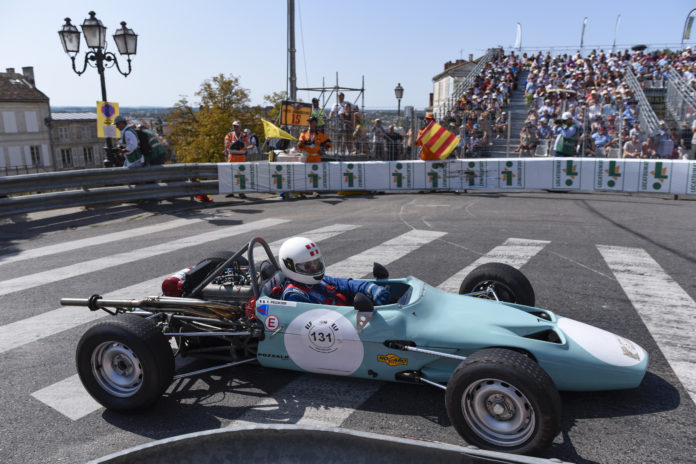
(46,418)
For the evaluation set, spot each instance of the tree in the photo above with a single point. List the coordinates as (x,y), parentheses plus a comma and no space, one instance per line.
(198,135)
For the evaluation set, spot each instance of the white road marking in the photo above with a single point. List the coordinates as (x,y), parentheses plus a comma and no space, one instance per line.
(68,397)
(310,401)
(86,267)
(317,235)
(315,412)
(665,308)
(361,264)
(78,403)
(514,251)
(43,325)
(34,328)
(93,241)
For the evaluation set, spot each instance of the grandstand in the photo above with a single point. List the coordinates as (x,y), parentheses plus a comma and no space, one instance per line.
(611,96)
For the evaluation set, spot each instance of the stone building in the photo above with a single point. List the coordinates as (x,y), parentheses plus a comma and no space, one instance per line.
(25,144)
(75,141)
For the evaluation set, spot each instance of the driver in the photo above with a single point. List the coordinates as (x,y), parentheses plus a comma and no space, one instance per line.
(303,266)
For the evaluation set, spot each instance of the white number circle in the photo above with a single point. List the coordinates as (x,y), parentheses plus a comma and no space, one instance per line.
(325,342)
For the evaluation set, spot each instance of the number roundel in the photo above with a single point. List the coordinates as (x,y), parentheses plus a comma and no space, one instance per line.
(324,341)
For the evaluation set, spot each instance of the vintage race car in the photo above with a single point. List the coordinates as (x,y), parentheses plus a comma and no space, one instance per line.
(500,360)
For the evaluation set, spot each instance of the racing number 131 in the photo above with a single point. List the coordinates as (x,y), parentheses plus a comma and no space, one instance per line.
(321,337)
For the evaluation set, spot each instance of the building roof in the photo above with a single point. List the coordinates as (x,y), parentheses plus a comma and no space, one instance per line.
(15,88)
(459,68)
(74,116)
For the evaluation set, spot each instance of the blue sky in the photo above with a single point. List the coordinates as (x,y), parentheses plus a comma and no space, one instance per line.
(181,43)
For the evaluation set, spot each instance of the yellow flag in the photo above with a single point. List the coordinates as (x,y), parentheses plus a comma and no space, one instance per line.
(273,132)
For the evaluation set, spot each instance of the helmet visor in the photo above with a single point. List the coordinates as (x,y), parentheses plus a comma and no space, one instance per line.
(310,267)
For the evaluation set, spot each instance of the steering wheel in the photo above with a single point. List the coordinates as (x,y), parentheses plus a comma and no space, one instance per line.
(253,274)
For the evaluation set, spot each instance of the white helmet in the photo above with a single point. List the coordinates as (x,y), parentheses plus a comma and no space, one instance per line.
(300,260)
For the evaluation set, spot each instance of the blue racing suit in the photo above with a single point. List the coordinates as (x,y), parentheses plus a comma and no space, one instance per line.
(334,291)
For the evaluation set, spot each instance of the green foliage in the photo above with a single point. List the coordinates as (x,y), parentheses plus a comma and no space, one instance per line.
(198,135)
(275,100)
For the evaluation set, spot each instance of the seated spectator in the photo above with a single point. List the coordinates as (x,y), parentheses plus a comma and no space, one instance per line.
(602,141)
(586,145)
(528,141)
(543,129)
(648,149)
(501,125)
(632,148)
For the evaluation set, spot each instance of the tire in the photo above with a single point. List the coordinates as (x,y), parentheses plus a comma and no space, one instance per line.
(510,284)
(139,360)
(501,400)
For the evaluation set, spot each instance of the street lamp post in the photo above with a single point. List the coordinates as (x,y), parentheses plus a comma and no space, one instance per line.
(399,92)
(97,57)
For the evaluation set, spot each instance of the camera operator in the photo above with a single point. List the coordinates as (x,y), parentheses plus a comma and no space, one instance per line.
(567,138)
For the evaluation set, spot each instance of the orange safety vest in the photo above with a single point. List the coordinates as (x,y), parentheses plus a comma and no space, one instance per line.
(313,143)
(426,154)
(236,156)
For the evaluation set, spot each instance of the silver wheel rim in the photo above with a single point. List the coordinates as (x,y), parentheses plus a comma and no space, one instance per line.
(117,369)
(498,412)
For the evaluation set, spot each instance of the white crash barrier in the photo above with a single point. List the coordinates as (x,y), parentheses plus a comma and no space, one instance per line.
(265,444)
(581,174)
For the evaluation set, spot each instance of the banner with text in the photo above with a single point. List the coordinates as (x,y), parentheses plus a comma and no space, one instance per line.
(563,174)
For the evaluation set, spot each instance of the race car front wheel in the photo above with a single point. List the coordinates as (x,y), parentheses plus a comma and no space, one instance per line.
(125,363)
(501,400)
(508,283)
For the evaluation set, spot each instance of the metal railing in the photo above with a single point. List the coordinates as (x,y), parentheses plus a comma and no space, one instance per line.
(464,85)
(681,98)
(44,191)
(646,115)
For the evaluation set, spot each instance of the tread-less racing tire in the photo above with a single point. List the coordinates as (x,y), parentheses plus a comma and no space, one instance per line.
(125,363)
(509,284)
(499,399)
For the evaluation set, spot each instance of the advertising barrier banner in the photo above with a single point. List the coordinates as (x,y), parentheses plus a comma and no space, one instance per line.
(566,174)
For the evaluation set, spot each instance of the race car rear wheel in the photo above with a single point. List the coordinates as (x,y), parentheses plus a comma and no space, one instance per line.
(509,284)
(501,400)
(125,362)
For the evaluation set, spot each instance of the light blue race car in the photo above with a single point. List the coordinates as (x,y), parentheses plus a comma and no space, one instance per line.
(500,360)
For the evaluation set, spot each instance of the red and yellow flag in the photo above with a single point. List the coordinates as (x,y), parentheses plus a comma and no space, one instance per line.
(439,140)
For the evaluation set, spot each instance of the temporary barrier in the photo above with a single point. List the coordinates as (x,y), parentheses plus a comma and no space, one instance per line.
(581,174)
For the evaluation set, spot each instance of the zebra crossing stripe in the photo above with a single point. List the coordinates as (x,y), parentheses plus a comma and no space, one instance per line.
(34,328)
(514,251)
(361,264)
(44,325)
(93,241)
(316,401)
(317,235)
(663,305)
(86,267)
(68,397)
(386,253)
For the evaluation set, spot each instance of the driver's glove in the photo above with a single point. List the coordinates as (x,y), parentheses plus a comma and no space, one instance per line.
(380,295)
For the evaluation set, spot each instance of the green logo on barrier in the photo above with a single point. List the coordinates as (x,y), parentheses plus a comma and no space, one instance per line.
(242,168)
(278,177)
(241,180)
(660,174)
(434,177)
(314,179)
(350,177)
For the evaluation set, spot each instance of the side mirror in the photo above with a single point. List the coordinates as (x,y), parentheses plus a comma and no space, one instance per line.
(380,272)
(363,303)
(365,308)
